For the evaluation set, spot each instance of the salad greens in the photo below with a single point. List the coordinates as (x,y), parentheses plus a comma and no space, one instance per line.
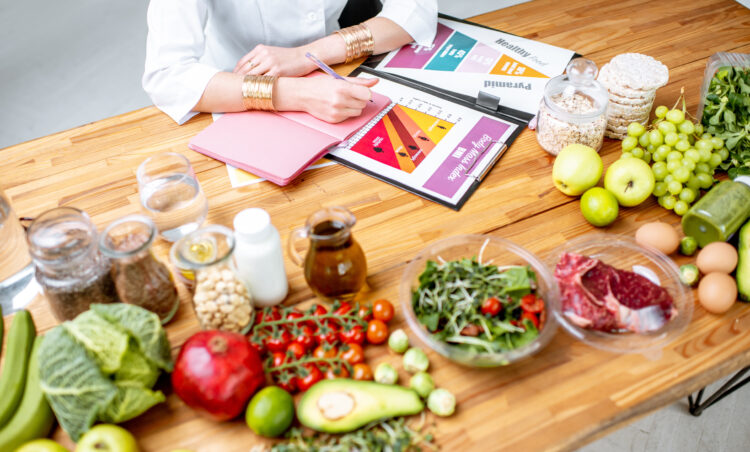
(102,365)
(726,114)
(450,303)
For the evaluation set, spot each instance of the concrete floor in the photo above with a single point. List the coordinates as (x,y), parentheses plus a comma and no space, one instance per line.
(67,63)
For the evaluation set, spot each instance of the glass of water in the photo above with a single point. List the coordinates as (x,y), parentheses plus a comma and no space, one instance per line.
(171,195)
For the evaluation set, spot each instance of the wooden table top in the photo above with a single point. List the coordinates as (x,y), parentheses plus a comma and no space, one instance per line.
(562,398)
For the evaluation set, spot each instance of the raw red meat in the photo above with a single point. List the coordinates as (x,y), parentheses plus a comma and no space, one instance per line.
(601,297)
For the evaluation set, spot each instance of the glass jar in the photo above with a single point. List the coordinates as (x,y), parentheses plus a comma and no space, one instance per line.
(140,279)
(720,212)
(221,300)
(69,267)
(573,109)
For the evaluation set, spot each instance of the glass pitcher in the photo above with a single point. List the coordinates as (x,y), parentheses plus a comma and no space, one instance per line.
(335,267)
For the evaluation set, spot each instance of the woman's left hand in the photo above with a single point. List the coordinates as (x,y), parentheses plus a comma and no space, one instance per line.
(279,61)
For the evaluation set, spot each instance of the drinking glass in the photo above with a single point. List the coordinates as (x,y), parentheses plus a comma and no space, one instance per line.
(14,254)
(171,195)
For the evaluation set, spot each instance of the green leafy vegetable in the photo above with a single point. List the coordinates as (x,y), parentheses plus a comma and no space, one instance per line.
(136,368)
(131,400)
(726,115)
(105,342)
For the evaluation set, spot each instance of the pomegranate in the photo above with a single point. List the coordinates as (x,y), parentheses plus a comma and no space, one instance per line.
(217,372)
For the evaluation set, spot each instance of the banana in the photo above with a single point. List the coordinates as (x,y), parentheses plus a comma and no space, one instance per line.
(34,418)
(20,340)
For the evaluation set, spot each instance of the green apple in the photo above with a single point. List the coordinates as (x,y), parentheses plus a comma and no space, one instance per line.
(42,445)
(599,206)
(630,180)
(107,438)
(576,169)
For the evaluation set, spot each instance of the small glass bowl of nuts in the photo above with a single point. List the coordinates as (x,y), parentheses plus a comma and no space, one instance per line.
(220,299)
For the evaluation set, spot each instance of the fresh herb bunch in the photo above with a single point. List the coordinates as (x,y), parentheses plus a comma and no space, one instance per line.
(392,435)
(727,115)
(479,306)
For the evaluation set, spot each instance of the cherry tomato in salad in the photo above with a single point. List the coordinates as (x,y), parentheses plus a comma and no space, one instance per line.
(305,337)
(362,372)
(382,310)
(491,306)
(377,331)
(325,351)
(531,316)
(278,341)
(354,335)
(336,372)
(313,376)
(532,303)
(365,313)
(297,350)
(354,354)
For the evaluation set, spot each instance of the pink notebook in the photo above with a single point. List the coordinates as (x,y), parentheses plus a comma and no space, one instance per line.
(277,146)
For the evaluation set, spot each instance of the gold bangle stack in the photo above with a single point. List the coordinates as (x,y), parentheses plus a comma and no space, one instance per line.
(257,92)
(358,41)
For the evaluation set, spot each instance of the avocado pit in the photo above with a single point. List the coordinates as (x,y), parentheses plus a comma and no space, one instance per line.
(335,404)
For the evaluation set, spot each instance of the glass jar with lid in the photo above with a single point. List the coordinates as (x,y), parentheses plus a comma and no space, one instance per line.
(140,278)
(69,267)
(220,299)
(573,109)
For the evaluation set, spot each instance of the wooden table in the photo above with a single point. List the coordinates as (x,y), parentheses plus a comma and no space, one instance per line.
(565,396)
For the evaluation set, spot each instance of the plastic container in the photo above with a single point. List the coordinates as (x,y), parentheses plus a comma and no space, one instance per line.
(623,253)
(720,212)
(260,260)
(716,61)
(69,267)
(221,300)
(139,277)
(573,109)
(486,248)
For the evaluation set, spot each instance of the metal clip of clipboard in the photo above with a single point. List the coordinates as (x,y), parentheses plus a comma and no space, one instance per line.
(490,164)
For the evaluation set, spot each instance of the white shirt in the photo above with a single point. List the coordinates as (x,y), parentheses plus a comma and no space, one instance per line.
(189,41)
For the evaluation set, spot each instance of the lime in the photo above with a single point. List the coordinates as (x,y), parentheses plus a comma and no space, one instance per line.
(271,412)
(599,206)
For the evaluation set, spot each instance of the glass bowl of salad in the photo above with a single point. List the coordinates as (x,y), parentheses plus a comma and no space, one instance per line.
(479,300)
(618,296)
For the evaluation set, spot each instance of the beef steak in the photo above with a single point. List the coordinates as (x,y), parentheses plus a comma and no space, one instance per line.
(601,297)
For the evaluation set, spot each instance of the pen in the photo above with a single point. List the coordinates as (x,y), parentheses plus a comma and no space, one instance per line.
(324,67)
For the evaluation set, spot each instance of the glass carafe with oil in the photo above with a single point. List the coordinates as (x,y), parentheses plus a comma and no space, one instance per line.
(335,266)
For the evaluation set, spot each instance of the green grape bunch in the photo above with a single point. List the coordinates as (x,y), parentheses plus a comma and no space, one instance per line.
(683,157)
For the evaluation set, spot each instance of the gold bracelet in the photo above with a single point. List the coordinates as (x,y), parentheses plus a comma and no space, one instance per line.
(358,41)
(257,92)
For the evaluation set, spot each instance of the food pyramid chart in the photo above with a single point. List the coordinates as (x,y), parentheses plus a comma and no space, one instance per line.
(453,51)
(402,138)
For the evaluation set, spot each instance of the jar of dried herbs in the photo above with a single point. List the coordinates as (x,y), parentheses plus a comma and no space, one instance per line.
(69,267)
(139,277)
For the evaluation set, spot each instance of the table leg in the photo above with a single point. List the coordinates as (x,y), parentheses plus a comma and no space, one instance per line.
(696,407)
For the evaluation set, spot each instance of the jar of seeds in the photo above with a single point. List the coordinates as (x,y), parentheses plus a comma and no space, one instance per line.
(220,299)
(573,109)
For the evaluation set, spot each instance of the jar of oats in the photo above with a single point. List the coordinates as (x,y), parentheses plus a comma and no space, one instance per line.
(573,109)
(220,299)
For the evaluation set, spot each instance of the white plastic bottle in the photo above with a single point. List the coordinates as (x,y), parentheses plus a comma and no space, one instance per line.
(259,258)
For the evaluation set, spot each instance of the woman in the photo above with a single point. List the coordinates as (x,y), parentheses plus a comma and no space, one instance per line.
(235,55)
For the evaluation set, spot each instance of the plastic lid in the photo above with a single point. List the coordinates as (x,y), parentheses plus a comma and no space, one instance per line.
(252,224)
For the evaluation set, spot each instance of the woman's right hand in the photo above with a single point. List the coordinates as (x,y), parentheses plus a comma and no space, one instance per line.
(326,98)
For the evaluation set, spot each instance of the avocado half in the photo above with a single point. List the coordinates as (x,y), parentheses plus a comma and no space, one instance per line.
(342,405)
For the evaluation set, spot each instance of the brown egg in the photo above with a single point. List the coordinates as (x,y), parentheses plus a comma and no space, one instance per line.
(661,236)
(717,257)
(717,292)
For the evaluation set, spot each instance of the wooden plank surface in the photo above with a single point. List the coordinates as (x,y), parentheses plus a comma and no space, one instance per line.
(566,395)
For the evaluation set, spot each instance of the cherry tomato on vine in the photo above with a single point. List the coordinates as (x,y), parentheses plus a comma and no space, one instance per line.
(365,313)
(377,331)
(320,310)
(313,376)
(278,359)
(321,351)
(325,335)
(336,372)
(362,372)
(354,335)
(491,306)
(278,341)
(354,354)
(382,310)
(256,342)
(531,316)
(271,315)
(294,314)
(288,383)
(343,309)
(531,303)
(305,337)
(297,350)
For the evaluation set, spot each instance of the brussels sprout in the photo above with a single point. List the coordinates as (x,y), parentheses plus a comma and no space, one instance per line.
(386,374)
(689,274)
(441,402)
(398,341)
(415,360)
(422,383)
(688,245)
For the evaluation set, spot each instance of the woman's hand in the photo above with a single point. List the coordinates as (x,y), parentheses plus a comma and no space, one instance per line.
(326,98)
(280,61)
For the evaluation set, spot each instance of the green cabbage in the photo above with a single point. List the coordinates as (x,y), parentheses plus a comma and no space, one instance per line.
(102,365)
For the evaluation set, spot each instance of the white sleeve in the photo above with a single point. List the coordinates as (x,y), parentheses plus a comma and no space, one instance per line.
(417,17)
(173,76)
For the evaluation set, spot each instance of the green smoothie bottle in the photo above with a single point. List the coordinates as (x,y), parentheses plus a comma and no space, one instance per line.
(720,212)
